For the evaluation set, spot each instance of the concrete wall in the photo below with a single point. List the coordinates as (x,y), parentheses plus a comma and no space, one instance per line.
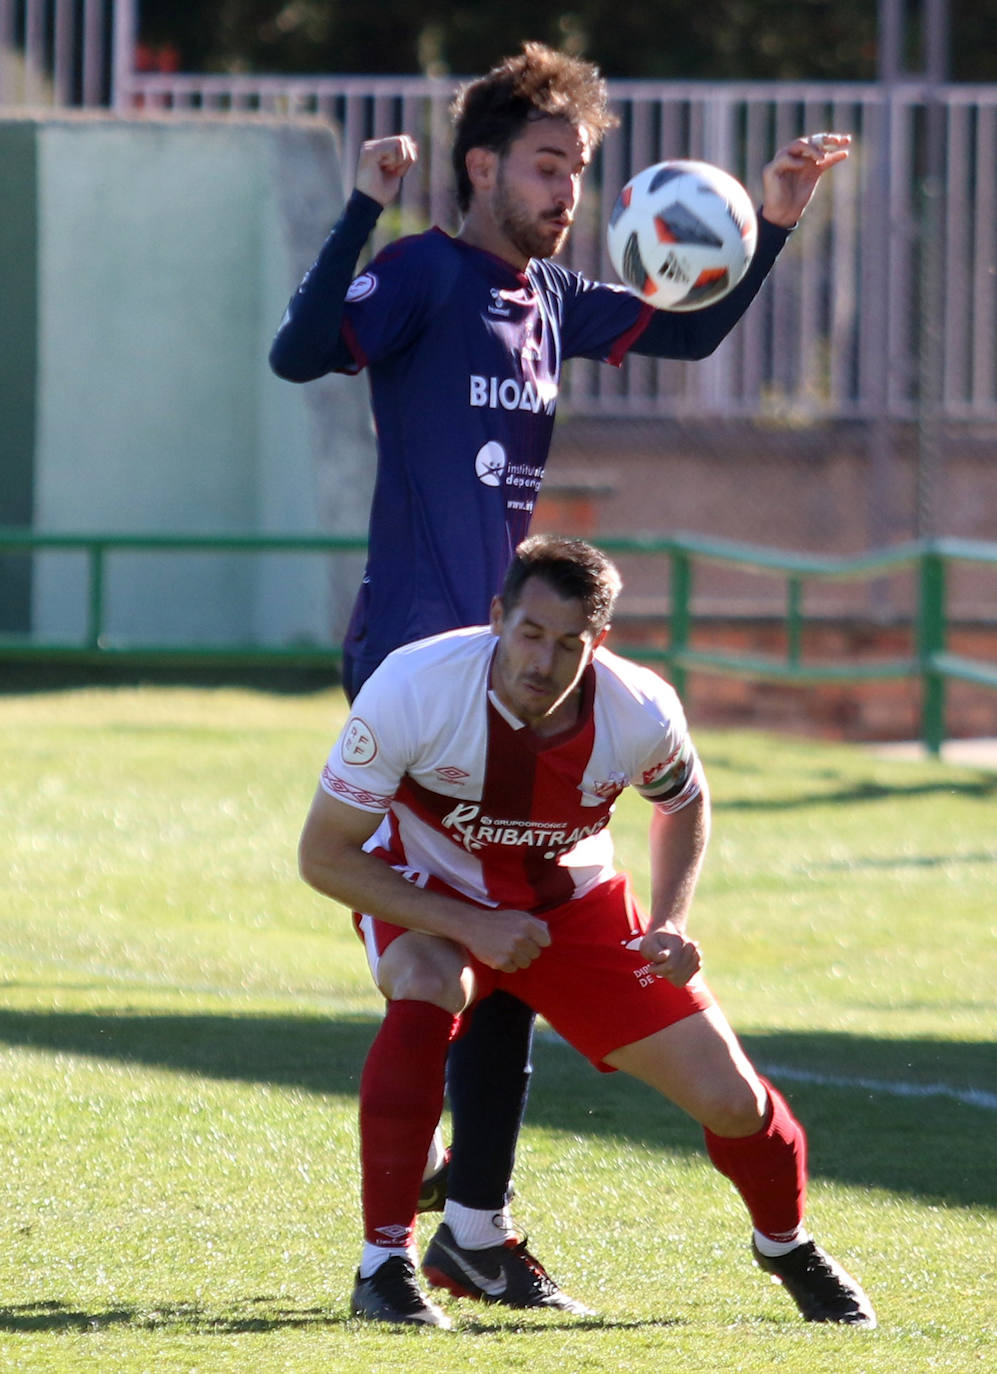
(164,255)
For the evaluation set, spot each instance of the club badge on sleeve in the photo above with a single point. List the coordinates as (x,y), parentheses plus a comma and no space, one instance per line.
(358,744)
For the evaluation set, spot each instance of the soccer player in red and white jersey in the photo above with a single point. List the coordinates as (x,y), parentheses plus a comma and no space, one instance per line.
(464,811)
(463,338)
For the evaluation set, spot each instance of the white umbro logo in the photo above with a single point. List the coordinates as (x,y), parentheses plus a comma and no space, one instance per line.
(393,1233)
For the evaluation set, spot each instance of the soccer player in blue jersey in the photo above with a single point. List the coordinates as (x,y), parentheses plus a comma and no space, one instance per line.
(463,338)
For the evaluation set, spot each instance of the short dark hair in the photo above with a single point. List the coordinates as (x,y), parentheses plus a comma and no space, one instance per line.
(570,567)
(537,83)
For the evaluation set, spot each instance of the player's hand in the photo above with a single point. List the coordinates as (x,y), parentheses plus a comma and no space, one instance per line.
(507,940)
(671,955)
(382,164)
(790,179)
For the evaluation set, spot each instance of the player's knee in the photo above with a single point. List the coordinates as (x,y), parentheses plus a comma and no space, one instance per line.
(735,1108)
(423,968)
(426,981)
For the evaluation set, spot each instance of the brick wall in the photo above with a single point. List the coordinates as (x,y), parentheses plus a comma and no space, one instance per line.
(828,490)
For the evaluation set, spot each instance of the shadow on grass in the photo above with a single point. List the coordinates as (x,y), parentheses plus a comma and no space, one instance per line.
(59,1316)
(861,1134)
(261,1314)
(266,1315)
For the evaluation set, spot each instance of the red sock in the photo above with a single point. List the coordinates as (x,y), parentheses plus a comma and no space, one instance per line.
(401,1096)
(768,1169)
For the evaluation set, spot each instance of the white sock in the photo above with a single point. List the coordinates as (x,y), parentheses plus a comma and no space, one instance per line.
(436,1156)
(375,1255)
(478,1228)
(772,1248)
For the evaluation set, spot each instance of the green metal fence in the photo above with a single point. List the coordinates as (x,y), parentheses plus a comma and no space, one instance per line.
(930,660)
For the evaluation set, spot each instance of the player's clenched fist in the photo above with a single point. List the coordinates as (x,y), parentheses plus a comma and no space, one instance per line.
(508,940)
(671,955)
(382,164)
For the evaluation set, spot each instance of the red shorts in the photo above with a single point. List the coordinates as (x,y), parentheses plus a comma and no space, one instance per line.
(596,991)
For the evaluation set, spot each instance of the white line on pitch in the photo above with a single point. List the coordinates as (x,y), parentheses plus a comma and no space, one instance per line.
(972,1097)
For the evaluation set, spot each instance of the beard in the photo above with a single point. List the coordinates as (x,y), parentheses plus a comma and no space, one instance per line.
(532,237)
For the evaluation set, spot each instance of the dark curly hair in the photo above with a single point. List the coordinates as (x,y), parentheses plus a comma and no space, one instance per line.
(537,83)
(570,567)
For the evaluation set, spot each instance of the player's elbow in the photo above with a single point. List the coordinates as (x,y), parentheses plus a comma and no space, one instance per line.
(702,348)
(288,365)
(311,867)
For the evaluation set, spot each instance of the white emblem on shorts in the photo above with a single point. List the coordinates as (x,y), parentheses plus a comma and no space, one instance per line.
(645,975)
(361,287)
(359,744)
(490,464)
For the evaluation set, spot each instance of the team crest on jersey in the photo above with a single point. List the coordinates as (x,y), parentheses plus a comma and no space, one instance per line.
(361,287)
(611,788)
(359,745)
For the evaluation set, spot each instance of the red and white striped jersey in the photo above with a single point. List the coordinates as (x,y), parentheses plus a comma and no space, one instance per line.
(476,798)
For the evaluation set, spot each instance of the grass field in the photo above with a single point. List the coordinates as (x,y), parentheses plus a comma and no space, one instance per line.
(183,1022)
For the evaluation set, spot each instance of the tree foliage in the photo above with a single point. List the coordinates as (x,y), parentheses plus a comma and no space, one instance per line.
(709,39)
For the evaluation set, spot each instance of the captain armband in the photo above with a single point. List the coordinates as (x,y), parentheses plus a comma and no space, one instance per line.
(675,801)
(678,785)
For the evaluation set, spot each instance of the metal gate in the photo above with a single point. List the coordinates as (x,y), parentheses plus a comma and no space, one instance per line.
(883,307)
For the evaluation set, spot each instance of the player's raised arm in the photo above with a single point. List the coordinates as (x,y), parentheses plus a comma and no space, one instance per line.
(790,179)
(788,183)
(309,343)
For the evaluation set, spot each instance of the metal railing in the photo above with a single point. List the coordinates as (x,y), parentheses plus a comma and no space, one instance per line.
(63,53)
(930,660)
(884,305)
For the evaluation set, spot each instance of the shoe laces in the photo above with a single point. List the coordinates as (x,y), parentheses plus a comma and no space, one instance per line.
(824,1278)
(539,1273)
(816,1263)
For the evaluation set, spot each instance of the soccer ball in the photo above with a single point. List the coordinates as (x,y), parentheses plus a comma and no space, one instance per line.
(682,234)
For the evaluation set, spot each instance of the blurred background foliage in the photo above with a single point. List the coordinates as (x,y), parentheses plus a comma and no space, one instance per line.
(709,40)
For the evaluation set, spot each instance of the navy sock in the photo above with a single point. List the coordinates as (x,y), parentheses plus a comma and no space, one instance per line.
(488,1076)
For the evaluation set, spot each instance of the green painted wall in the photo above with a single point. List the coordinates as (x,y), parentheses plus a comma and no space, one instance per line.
(166,252)
(18,371)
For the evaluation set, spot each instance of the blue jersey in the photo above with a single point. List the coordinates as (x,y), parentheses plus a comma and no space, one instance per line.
(464,354)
